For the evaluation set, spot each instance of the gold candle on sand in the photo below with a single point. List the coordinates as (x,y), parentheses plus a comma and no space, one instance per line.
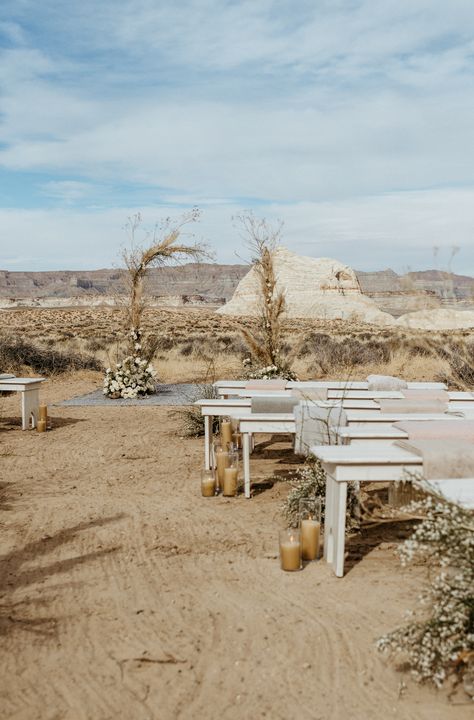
(43,413)
(290,550)
(222,462)
(310,528)
(226,433)
(230,481)
(208,483)
(41,425)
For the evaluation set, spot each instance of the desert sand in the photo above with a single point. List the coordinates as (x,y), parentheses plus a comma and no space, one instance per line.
(125,594)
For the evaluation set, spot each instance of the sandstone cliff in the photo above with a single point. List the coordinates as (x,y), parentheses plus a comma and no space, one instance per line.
(313,287)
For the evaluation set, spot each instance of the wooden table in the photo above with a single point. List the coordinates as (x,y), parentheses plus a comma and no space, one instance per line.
(29,389)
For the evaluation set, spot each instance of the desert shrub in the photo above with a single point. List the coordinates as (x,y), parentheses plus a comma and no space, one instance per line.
(187,349)
(17,353)
(190,417)
(95,344)
(309,482)
(329,352)
(439,638)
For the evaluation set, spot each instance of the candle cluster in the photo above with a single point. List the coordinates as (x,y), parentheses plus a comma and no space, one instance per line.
(224,476)
(301,544)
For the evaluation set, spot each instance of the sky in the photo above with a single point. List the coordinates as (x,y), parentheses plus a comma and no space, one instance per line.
(352,121)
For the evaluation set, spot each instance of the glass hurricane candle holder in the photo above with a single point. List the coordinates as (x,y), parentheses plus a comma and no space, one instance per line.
(222,461)
(310,527)
(226,432)
(41,426)
(208,483)
(231,476)
(290,550)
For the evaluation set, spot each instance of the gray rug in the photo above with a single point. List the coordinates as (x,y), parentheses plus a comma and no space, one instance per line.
(183,394)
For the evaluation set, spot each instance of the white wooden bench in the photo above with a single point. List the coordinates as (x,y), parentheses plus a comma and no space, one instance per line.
(375,420)
(29,389)
(344,464)
(230,387)
(369,462)
(239,408)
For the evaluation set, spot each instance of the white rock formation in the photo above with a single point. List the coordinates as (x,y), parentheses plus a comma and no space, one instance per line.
(314,287)
(438,319)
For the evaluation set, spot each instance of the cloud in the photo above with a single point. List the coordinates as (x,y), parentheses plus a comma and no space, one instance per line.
(398,230)
(357,112)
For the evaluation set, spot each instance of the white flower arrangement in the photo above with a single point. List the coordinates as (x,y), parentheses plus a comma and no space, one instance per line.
(133,377)
(439,637)
(267,373)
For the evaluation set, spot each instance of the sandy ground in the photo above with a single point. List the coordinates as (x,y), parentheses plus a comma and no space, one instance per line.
(124,594)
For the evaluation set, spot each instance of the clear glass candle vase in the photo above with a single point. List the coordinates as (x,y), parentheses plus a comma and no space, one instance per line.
(208,483)
(310,527)
(290,550)
(230,484)
(222,461)
(225,432)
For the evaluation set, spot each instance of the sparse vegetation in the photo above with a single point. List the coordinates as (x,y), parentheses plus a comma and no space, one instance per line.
(16,354)
(308,482)
(191,418)
(438,639)
(188,338)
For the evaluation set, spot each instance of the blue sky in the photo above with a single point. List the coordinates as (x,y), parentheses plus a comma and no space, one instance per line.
(350,120)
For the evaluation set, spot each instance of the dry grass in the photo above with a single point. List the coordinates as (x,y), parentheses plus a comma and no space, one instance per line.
(197,345)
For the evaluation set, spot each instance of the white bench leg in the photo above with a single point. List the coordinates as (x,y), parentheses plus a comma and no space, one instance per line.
(339,514)
(207,441)
(29,408)
(328,520)
(246,459)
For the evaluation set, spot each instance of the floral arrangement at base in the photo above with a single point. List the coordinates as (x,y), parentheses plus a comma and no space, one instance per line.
(267,373)
(438,639)
(308,482)
(131,378)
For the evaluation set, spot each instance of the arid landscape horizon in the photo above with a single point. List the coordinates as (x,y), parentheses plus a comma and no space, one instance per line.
(126,594)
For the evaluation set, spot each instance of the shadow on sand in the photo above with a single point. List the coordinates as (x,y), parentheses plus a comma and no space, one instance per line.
(13,575)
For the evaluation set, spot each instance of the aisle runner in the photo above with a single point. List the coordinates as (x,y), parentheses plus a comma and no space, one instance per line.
(182,394)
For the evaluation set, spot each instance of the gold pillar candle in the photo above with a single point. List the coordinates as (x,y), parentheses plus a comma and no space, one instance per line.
(226,433)
(41,425)
(290,550)
(310,532)
(208,483)
(310,527)
(237,439)
(222,462)
(43,413)
(230,481)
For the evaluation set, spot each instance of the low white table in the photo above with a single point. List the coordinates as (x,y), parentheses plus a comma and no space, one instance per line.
(344,464)
(29,389)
